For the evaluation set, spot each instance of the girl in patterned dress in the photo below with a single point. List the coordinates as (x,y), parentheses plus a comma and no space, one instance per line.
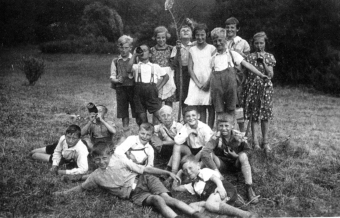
(160,54)
(258,104)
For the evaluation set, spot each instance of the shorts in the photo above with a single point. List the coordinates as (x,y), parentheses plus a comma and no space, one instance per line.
(224,90)
(146,98)
(229,165)
(195,151)
(147,185)
(124,97)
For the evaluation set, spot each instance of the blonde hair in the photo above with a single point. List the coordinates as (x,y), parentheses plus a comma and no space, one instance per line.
(165,108)
(218,31)
(125,39)
(161,29)
(260,35)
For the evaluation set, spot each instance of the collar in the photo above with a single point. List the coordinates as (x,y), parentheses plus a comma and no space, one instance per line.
(142,63)
(173,125)
(236,39)
(120,57)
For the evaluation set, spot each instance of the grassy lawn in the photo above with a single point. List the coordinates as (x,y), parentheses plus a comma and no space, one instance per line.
(301,178)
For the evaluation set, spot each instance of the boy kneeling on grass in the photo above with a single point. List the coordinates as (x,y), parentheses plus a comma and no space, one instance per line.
(206,184)
(127,180)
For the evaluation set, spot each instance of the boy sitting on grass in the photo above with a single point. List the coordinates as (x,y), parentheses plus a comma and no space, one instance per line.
(191,138)
(97,127)
(137,147)
(207,185)
(69,150)
(119,177)
(229,150)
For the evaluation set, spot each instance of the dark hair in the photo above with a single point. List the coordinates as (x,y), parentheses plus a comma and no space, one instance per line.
(100,149)
(147,127)
(188,158)
(201,26)
(233,20)
(190,108)
(74,129)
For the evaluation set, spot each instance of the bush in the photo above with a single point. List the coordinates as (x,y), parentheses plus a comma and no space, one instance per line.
(33,68)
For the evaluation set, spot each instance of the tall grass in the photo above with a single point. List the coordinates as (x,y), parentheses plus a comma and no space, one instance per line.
(301,178)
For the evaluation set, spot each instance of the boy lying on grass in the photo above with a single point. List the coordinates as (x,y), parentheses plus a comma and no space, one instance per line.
(206,184)
(69,150)
(127,180)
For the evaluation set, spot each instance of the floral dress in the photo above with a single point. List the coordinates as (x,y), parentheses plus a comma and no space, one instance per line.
(161,56)
(258,93)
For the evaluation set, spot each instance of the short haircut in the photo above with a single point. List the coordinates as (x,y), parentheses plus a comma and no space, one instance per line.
(161,29)
(105,110)
(147,127)
(100,149)
(74,129)
(125,39)
(232,20)
(165,108)
(146,46)
(188,158)
(190,108)
(260,35)
(186,26)
(218,31)
(201,26)
(222,120)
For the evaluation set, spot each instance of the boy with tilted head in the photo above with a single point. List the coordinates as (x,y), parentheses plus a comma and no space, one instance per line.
(127,180)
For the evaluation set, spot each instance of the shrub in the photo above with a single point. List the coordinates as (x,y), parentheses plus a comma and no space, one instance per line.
(33,68)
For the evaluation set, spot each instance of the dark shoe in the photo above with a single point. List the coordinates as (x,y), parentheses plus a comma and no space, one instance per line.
(252,196)
(199,215)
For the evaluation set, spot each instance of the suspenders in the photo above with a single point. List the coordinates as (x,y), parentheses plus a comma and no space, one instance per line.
(139,76)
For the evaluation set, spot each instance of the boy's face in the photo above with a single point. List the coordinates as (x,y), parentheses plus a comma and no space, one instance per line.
(93,116)
(72,139)
(102,161)
(231,30)
(101,111)
(200,36)
(225,128)
(219,42)
(166,117)
(259,44)
(185,33)
(191,169)
(191,117)
(146,53)
(144,136)
(161,39)
(124,50)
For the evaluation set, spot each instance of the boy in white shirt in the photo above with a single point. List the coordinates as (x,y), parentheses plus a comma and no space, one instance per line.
(149,79)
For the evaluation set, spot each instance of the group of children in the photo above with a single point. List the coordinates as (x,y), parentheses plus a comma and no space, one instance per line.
(212,76)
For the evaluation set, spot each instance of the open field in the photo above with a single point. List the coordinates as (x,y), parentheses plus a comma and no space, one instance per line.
(302,178)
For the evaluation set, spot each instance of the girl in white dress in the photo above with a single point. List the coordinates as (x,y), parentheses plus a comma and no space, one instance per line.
(199,67)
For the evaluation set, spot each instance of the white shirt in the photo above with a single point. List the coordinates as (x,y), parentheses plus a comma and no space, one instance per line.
(223,61)
(204,134)
(133,142)
(113,66)
(239,45)
(78,153)
(146,69)
(205,174)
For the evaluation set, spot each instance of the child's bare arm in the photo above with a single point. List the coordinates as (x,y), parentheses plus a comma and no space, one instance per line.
(253,69)
(175,184)
(164,80)
(76,189)
(220,188)
(156,171)
(85,129)
(269,70)
(108,126)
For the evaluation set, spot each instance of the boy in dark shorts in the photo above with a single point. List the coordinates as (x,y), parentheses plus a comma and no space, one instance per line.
(120,178)
(149,79)
(229,150)
(216,195)
(122,83)
(69,150)
(191,138)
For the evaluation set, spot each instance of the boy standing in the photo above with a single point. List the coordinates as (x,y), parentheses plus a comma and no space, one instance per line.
(122,83)
(191,138)
(149,79)
(137,147)
(229,149)
(119,177)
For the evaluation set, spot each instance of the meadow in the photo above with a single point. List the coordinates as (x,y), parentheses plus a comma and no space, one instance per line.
(300,178)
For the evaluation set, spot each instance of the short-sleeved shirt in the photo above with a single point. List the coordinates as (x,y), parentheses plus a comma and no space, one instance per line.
(140,152)
(184,52)
(223,61)
(117,178)
(204,134)
(203,176)
(166,134)
(239,45)
(146,70)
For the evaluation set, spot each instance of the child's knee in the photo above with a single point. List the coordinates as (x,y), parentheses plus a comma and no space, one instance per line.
(212,206)
(156,200)
(243,158)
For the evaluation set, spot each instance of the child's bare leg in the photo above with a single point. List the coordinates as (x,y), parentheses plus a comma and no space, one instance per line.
(198,206)
(264,129)
(211,118)
(203,113)
(125,121)
(178,151)
(159,203)
(142,118)
(42,157)
(254,134)
(173,202)
(156,118)
(230,116)
(39,150)
(241,126)
(245,168)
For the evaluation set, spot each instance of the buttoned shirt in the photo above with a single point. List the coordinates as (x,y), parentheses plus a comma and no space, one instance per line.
(146,71)
(222,61)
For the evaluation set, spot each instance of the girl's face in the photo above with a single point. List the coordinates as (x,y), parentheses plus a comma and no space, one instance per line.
(186,33)
(161,39)
(231,30)
(259,44)
(200,36)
